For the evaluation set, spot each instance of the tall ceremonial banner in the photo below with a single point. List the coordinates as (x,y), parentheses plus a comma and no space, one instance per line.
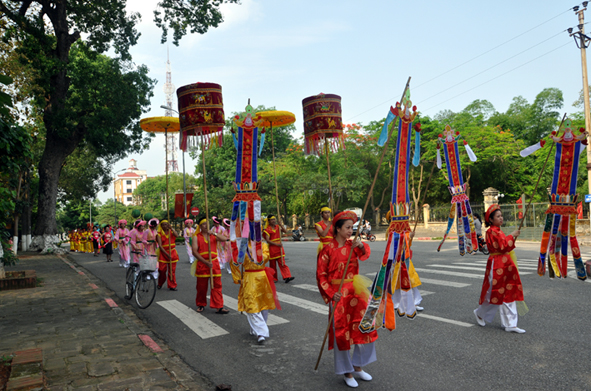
(246,229)
(561,216)
(201,112)
(323,124)
(397,277)
(460,204)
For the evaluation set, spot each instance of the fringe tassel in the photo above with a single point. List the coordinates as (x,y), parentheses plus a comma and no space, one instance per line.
(438,159)
(531,149)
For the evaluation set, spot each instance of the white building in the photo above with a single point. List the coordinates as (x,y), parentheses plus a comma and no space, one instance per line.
(127,182)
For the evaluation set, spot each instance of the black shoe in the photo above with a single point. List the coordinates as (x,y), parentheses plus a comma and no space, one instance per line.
(173,289)
(159,286)
(288,279)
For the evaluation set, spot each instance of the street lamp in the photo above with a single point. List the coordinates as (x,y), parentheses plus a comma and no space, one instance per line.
(184,183)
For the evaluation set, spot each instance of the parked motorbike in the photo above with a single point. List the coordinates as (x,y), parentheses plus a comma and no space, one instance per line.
(297,235)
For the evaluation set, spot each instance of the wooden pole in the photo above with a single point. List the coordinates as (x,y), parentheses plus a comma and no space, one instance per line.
(359,230)
(331,203)
(206,211)
(277,196)
(539,177)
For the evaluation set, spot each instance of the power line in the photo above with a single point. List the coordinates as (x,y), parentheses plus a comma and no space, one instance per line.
(496,77)
(489,68)
(464,63)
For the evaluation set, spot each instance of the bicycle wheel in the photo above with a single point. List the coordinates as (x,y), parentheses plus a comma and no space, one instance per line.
(145,290)
(129,283)
(485,250)
(372,238)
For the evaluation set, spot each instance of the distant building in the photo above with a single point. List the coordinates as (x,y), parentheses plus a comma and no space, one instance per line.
(127,182)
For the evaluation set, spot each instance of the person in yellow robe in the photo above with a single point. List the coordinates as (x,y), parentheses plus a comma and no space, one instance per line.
(257,293)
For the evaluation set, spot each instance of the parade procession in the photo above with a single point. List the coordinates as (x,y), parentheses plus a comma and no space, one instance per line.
(329,200)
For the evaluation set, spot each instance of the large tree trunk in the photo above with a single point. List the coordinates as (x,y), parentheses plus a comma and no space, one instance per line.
(55,153)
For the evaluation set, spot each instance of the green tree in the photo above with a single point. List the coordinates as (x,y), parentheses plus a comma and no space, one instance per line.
(86,96)
(15,159)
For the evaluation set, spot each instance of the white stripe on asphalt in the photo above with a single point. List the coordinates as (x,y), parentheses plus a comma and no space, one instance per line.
(308,287)
(482,269)
(484,264)
(449,273)
(444,283)
(272,320)
(425,293)
(305,304)
(202,326)
(457,274)
(451,321)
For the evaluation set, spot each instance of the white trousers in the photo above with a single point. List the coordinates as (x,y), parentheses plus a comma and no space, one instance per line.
(258,323)
(362,355)
(487,311)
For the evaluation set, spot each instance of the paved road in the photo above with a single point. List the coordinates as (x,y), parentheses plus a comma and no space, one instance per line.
(442,349)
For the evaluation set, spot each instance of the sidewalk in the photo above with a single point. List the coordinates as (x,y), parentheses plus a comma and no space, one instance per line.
(89,339)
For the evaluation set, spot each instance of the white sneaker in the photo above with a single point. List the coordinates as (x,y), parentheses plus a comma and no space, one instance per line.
(419,308)
(261,339)
(351,382)
(479,320)
(514,330)
(362,375)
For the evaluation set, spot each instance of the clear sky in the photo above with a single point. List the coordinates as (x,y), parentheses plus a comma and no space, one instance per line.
(278,52)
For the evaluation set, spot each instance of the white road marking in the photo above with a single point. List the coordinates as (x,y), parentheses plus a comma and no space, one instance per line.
(272,320)
(449,273)
(484,264)
(305,304)
(425,293)
(200,325)
(482,269)
(444,283)
(457,274)
(439,319)
(308,287)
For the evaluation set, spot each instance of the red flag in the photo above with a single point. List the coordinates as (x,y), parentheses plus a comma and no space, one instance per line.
(178,205)
(520,207)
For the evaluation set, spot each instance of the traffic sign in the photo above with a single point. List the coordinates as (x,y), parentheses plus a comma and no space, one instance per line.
(194,211)
(587,197)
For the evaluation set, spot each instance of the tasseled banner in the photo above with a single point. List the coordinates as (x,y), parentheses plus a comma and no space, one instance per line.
(471,154)
(438,158)
(417,157)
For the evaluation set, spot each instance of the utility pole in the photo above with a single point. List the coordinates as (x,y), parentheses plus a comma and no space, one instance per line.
(582,42)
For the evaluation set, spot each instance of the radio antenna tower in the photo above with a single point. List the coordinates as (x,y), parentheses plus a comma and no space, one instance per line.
(169,90)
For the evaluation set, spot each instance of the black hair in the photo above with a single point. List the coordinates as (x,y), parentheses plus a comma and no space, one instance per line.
(476,215)
(271,216)
(492,215)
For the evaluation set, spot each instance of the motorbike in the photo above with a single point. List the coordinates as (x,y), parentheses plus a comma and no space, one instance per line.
(367,235)
(482,245)
(297,235)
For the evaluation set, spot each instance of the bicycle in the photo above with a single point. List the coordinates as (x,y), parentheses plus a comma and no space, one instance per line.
(142,283)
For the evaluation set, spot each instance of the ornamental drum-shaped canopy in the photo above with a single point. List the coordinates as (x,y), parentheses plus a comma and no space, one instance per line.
(323,124)
(201,113)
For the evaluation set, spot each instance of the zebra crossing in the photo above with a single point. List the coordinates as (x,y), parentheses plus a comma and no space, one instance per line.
(432,276)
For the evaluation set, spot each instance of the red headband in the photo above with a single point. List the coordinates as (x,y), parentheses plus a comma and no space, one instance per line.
(346,215)
(490,211)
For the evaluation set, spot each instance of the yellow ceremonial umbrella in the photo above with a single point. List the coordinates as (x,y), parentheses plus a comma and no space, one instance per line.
(162,125)
(276,118)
